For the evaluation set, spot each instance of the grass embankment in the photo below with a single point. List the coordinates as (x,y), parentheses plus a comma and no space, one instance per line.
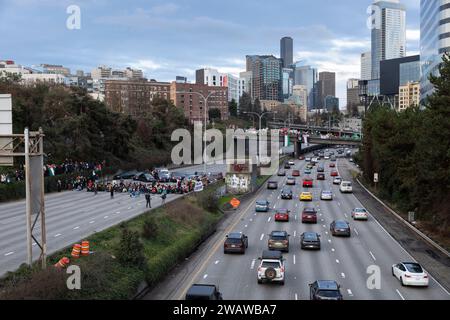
(145,248)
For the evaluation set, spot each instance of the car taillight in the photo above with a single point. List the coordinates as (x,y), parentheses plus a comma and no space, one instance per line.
(407,276)
(259,269)
(282,269)
(285,241)
(425,276)
(225,245)
(270,241)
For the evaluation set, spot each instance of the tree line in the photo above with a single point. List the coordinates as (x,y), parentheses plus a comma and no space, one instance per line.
(410,151)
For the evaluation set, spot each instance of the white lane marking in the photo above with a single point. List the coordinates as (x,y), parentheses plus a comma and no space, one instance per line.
(294,259)
(337,261)
(105,217)
(255,214)
(253,264)
(91,222)
(9,253)
(268,220)
(117,212)
(326,232)
(324,226)
(400,294)
(329,240)
(251,219)
(349,292)
(57,235)
(296,296)
(205,276)
(343,275)
(322,220)
(217,262)
(339,203)
(246,226)
(333,250)
(295,233)
(76,228)
(262,237)
(356,231)
(295,217)
(373,257)
(345,215)
(275,206)
(129,208)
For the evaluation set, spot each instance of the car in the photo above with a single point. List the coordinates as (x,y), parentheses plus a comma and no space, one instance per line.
(326,195)
(321,176)
(287,165)
(325,290)
(301,158)
(282,215)
(340,228)
(332,165)
(309,215)
(271,267)
(307,183)
(203,292)
(278,240)
(126,175)
(308,159)
(337,180)
(306,196)
(314,160)
(307,171)
(164,175)
(410,274)
(286,193)
(272,185)
(326,157)
(290,181)
(310,240)
(351,160)
(360,214)
(262,206)
(334,173)
(296,173)
(346,187)
(144,177)
(281,173)
(291,163)
(320,169)
(235,242)
(310,166)
(333,158)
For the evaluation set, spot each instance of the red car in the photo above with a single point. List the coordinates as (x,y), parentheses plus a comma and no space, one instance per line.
(282,215)
(295,173)
(334,173)
(309,215)
(307,183)
(332,165)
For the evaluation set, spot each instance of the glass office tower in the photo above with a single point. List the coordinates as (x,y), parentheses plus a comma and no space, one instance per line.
(434,39)
(388,33)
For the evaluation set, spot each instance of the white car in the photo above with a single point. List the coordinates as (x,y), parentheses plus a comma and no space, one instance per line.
(346,187)
(337,180)
(326,195)
(308,159)
(291,163)
(410,274)
(360,214)
(271,268)
(327,157)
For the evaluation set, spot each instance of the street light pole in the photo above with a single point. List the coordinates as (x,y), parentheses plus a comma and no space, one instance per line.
(205,100)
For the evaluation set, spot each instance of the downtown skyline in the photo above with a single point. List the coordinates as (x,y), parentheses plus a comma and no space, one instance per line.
(166,39)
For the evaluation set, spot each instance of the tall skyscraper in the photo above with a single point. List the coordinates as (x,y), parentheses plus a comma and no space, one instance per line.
(434,39)
(366,65)
(388,33)
(353,99)
(287,51)
(307,76)
(326,87)
(266,77)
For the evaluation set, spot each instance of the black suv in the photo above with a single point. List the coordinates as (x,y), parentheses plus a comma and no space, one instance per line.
(286,193)
(325,290)
(310,240)
(203,292)
(235,242)
(287,165)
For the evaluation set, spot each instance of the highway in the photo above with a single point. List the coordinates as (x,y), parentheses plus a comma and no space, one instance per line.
(342,259)
(71,216)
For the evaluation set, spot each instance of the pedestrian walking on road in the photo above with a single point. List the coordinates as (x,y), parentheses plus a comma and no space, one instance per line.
(163,197)
(112,192)
(148,199)
(59,185)
(95,189)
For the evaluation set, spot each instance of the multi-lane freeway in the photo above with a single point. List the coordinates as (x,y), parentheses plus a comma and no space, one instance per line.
(342,259)
(70,216)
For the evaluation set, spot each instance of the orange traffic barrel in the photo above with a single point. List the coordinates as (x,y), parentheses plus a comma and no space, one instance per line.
(76,250)
(62,263)
(85,248)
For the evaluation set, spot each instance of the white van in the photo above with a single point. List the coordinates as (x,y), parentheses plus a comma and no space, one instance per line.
(346,187)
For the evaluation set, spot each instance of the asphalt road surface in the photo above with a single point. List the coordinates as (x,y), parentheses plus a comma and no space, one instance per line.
(342,259)
(70,216)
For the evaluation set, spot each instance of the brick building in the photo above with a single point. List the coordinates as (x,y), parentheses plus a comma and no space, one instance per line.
(186,96)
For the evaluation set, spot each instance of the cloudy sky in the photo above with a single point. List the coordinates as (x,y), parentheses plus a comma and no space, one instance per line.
(176,37)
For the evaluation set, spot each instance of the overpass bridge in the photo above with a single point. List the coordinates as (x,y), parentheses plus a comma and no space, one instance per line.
(313,129)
